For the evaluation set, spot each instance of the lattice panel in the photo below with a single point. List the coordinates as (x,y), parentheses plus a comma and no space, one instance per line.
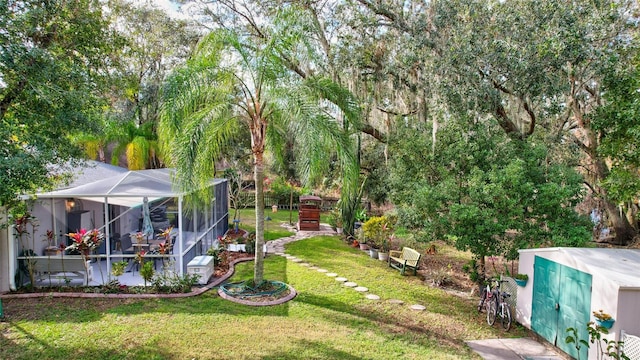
(631,346)
(512,288)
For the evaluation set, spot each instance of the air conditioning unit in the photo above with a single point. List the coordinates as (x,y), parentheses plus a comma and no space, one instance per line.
(203,266)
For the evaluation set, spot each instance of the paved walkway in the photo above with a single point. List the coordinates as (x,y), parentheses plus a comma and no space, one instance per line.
(513,349)
(492,349)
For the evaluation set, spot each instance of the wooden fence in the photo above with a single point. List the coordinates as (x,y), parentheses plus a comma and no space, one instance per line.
(248,199)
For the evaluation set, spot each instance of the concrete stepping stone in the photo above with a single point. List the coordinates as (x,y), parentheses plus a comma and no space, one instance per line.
(305,264)
(341,279)
(417,307)
(313,268)
(361,289)
(372,297)
(350,284)
(296,260)
(396,301)
(322,270)
(331,274)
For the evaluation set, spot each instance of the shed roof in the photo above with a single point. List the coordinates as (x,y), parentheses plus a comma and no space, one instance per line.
(621,266)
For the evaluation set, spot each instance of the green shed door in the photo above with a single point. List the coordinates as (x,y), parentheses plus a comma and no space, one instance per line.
(561,299)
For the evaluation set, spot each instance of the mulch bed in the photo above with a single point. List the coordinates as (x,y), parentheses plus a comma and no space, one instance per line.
(223,267)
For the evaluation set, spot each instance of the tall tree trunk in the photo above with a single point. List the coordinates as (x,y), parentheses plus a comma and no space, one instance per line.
(624,231)
(258,171)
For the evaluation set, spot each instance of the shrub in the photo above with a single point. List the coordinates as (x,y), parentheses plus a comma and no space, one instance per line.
(377,230)
(172,283)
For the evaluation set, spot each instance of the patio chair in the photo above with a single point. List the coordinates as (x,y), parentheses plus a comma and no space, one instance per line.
(126,245)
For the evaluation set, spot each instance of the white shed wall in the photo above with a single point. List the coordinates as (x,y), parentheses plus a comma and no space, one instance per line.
(622,304)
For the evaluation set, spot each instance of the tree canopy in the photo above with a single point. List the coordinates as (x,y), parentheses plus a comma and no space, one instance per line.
(54,62)
(456,101)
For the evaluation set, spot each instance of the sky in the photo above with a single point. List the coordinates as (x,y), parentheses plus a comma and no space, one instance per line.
(171,8)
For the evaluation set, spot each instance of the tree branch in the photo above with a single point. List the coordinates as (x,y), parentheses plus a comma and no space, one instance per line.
(392,112)
(388,14)
(373,132)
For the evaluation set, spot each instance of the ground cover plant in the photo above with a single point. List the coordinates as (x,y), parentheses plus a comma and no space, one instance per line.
(325,321)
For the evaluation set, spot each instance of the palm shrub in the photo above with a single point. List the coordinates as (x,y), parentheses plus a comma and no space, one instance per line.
(231,83)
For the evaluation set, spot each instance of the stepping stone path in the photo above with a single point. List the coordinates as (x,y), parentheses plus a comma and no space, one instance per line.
(277,247)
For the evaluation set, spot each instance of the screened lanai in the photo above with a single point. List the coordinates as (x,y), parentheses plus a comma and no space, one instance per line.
(124,205)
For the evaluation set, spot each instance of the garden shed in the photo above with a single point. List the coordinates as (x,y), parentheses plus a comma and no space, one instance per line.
(566,285)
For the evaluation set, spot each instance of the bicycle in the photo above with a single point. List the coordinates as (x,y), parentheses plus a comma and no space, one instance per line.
(499,307)
(486,294)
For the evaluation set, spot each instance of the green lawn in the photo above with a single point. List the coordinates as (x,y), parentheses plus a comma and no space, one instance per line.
(325,321)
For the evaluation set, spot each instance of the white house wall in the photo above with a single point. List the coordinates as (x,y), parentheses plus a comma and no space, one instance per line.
(629,321)
(5,259)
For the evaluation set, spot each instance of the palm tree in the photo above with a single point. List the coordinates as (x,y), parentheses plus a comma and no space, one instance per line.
(230,82)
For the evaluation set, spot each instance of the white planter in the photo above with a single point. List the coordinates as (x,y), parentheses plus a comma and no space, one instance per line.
(242,247)
(383,256)
(236,247)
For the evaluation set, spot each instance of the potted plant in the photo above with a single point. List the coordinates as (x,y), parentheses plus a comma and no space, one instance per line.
(521,279)
(603,319)
(362,241)
(377,230)
(383,253)
(373,251)
(339,225)
(52,248)
(360,217)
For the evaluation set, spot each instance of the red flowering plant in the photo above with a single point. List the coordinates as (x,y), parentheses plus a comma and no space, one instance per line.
(84,242)
(224,241)
(140,257)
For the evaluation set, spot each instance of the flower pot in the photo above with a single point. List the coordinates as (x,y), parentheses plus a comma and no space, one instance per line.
(521,282)
(339,230)
(607,324)
(364,246)
(373,253)
(383,256)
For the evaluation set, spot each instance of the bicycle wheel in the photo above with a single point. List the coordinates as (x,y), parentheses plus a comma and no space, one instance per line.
(491,305)
(483,298)
(506,316)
